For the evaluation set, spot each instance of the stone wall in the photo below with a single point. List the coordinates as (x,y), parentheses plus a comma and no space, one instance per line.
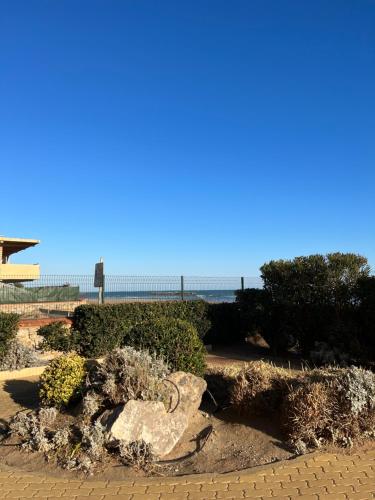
(27,332)
(41,309)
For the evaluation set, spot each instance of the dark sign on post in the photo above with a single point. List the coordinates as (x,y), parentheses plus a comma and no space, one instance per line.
(99,275)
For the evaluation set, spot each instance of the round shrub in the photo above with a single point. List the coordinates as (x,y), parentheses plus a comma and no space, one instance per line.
(17,357)
(8,331)
(175,340)
(56,337)
(98,329)
(62,381)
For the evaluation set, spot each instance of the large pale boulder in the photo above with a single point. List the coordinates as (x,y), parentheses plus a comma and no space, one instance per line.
(151,422)
(147,421)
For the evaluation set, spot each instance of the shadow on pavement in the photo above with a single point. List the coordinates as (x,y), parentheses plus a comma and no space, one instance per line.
(23,392)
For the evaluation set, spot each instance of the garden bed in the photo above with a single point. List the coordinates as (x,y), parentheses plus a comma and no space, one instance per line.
(239,425)
(228,444)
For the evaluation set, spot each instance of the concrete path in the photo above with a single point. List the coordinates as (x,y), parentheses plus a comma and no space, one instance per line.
(316,476)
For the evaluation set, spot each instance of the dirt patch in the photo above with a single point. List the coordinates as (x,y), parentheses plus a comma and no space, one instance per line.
(226,443)
(239,354)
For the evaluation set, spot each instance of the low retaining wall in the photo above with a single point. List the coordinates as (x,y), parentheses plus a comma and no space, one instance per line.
(40,309)
(33,371)
(27,331)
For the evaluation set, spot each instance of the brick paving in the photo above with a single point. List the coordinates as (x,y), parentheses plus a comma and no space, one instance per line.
(315,476)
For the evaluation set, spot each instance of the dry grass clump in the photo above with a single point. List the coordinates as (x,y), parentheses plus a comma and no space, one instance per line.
(260,387)
(316,407)
(307,414)
(339,408)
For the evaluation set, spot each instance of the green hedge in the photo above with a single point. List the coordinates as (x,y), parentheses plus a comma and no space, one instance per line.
(365,298)
(313,300)
(225,322)
(96,330)
(8,331)
(174,340)
(256,313)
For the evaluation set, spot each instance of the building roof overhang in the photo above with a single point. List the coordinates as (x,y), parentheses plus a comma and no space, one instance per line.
(14,245)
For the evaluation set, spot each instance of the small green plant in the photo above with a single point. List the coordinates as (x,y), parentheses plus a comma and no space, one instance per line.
(8,331)
(175,340)
(56,337)
(62,381)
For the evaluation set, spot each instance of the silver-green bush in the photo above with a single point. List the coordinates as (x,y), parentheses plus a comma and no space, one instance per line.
(17,357)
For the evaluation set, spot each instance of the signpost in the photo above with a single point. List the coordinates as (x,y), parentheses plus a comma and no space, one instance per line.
(99,280)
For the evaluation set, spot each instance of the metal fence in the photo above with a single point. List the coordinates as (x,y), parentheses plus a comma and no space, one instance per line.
(58,295)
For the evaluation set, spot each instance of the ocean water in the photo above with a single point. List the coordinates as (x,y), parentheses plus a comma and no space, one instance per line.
(126,296)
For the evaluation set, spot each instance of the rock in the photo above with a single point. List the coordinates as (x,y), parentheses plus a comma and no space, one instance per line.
(151,422)
(186,392)
(147,421)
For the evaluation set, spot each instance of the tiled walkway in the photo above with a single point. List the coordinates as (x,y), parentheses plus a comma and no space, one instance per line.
(312,476)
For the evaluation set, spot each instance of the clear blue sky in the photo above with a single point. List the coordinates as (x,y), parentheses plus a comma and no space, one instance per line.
(201,137)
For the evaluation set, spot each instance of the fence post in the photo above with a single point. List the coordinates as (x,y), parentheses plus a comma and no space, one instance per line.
(182,288)
(242,283)
(102,289)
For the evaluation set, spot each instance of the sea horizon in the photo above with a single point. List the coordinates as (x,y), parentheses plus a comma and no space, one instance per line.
(150,295)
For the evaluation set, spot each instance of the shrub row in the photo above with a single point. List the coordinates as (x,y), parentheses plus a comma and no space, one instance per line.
(318,304)
(99,329)
(56,337)
(173,339)
(225,324)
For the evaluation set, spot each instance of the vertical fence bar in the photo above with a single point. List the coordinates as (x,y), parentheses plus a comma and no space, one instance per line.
(242,283)
(182,288)
(102,289)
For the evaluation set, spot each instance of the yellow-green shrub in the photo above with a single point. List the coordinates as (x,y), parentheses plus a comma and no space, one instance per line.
(62,381)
